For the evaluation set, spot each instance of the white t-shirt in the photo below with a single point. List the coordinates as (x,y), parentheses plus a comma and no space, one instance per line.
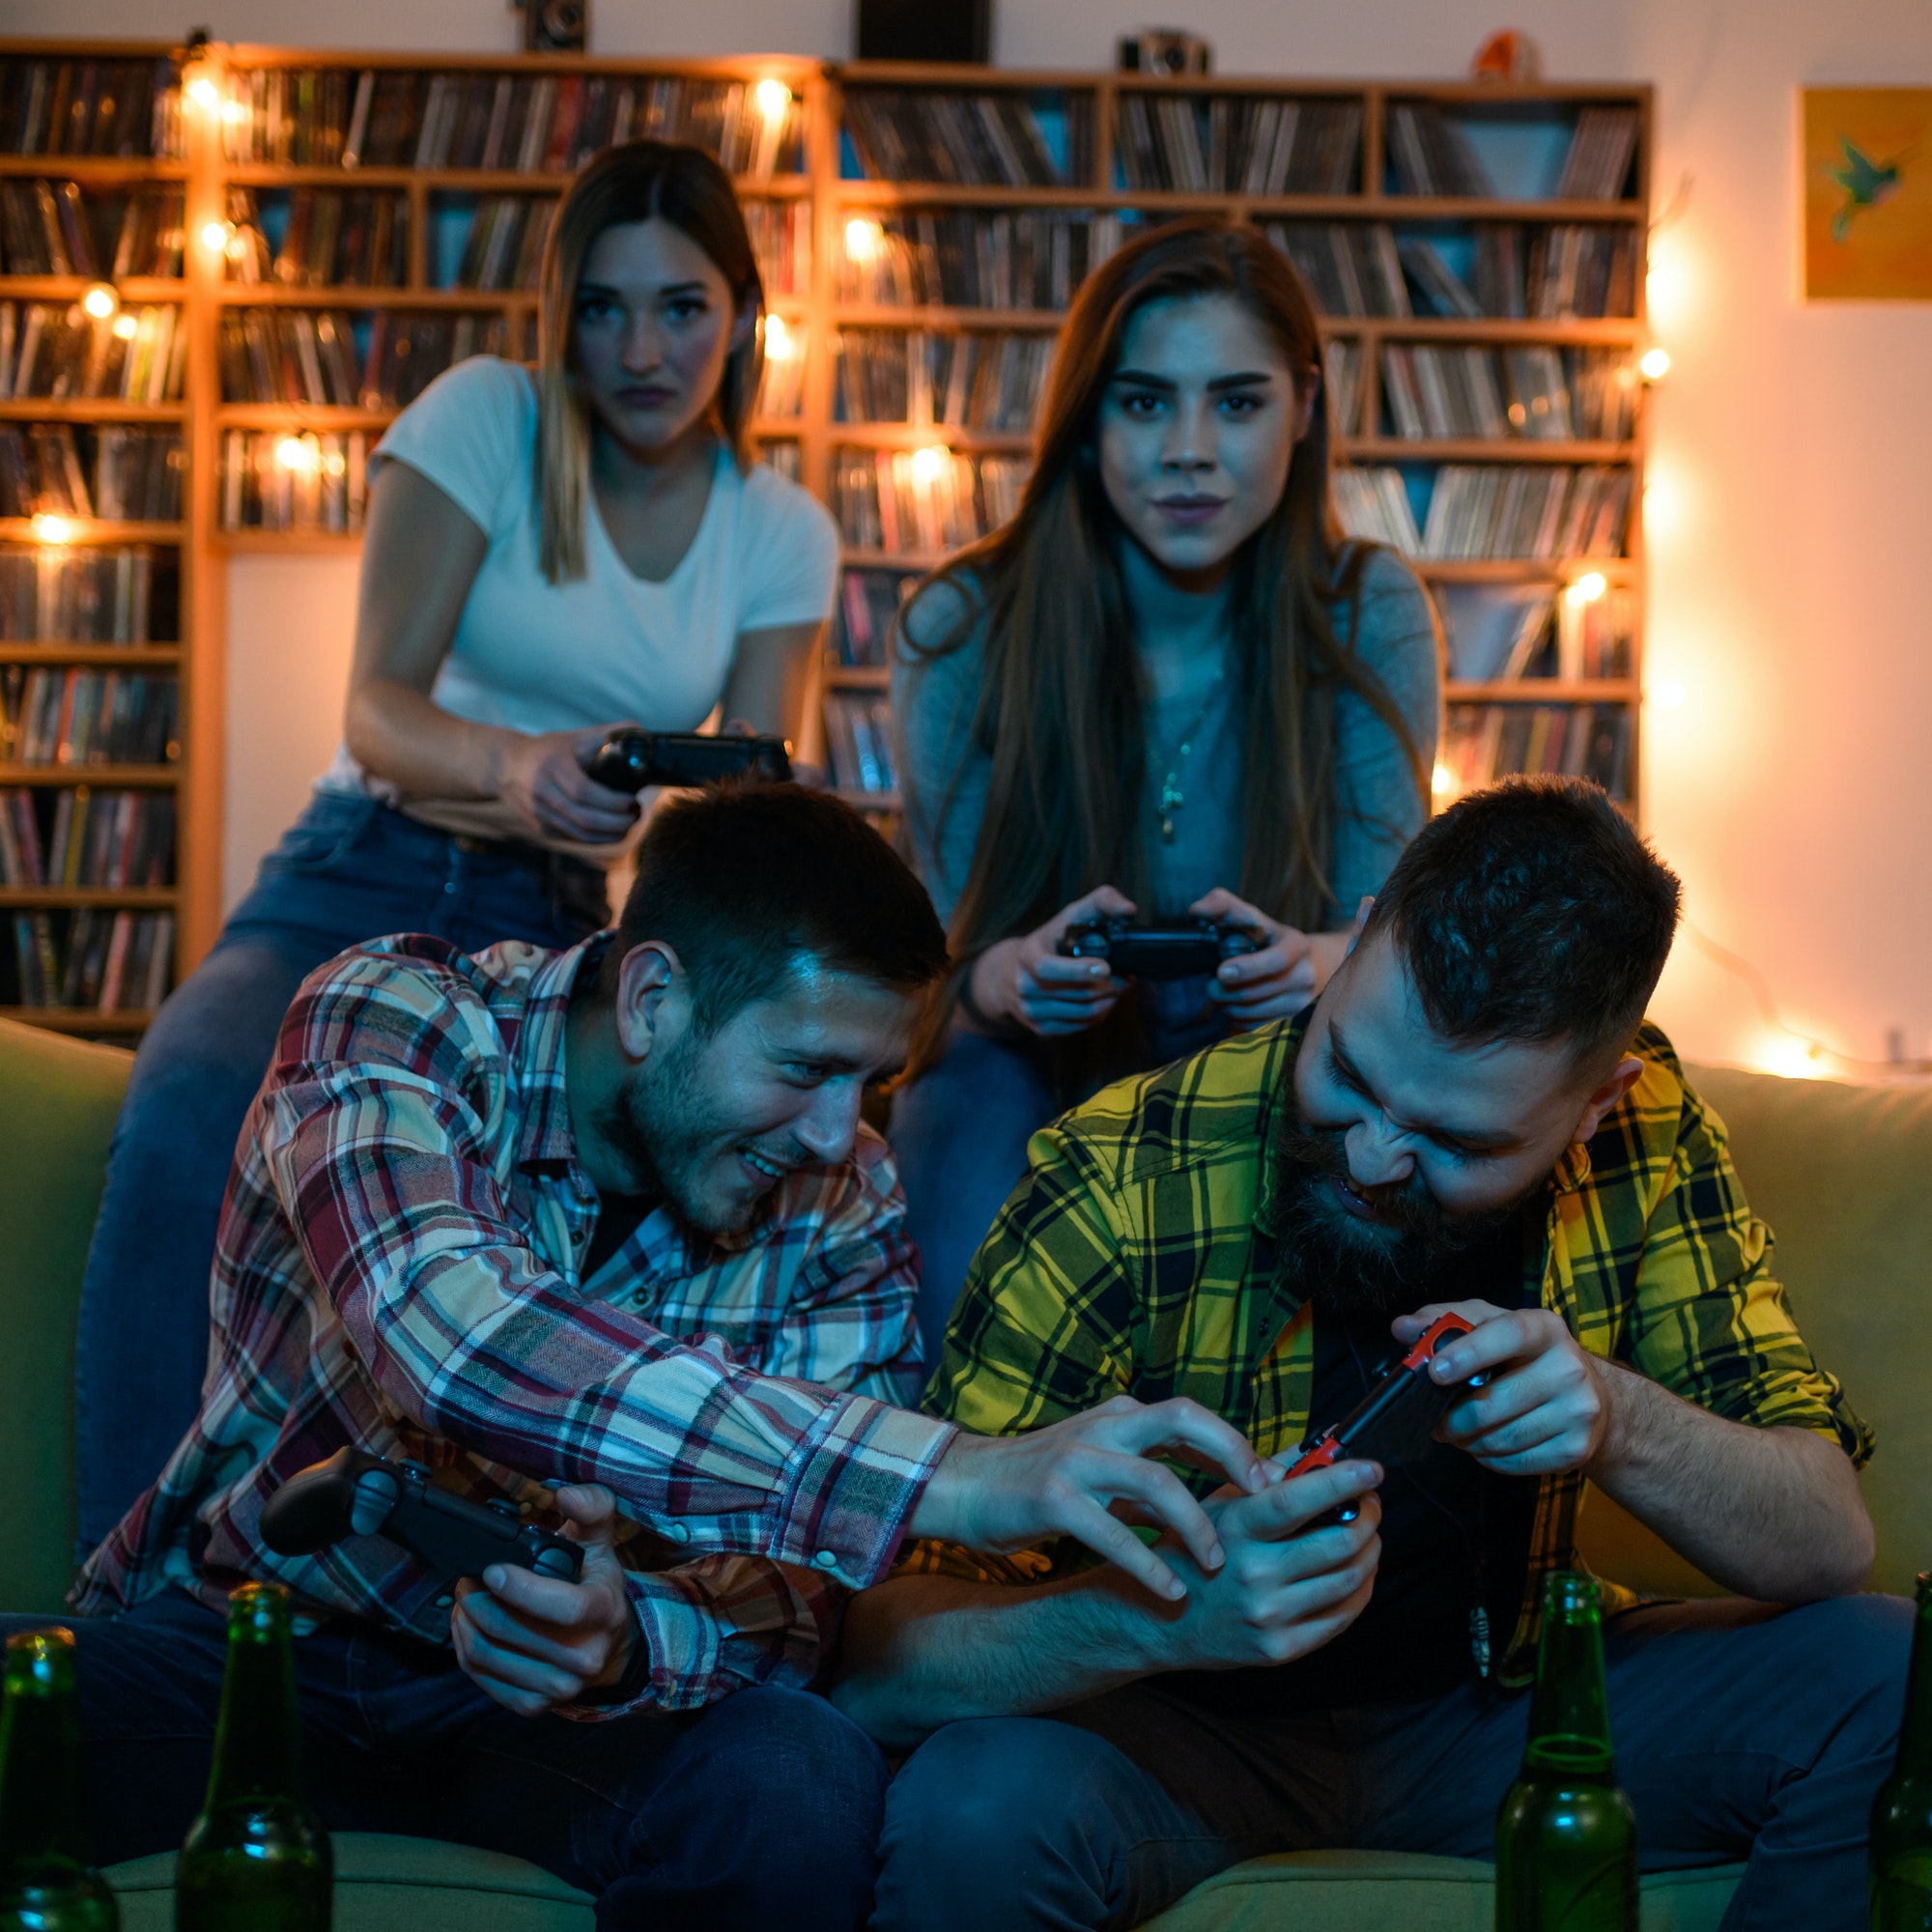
(537,655)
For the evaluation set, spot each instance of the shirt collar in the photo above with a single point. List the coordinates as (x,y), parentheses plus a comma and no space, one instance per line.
(546,1146)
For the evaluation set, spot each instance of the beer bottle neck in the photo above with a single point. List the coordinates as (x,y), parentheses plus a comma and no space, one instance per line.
(257,1747)
(40,1819)
(1569,1713)
(1915,1730)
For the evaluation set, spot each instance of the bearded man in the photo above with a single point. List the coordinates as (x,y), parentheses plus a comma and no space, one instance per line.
(1473,1116)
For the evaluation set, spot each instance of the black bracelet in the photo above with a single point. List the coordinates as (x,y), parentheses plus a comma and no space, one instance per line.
(629,1687)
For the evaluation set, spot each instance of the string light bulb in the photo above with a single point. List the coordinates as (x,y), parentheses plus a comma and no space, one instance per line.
(126,326)
(201,89)
(216,236)
(1442,782)
(100,300)
(863,239)
(1586,590)
(779,344)
(930,464)
(1667,695)
(774,97)
(294,453)
(1654,363)
(52,529)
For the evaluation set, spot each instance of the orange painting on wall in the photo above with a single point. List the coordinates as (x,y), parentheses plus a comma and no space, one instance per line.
(1868,193)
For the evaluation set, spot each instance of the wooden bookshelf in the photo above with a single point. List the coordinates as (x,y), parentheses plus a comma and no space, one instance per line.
(105,182)
(814,174)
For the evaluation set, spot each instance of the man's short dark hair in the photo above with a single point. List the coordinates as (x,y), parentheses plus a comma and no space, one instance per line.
(747,881)
(1531,911)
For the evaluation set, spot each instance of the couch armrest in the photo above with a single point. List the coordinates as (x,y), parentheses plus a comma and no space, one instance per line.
(58,1102)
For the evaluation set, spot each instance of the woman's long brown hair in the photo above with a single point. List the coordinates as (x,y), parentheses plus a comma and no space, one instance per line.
(638,180)
(1060,706)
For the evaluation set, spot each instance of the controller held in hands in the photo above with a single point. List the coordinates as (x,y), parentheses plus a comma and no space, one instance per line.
(1188,949)
(630,760)
(1397,1417)
(354,1494)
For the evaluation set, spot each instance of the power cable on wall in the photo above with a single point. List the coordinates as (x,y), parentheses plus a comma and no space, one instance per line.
(1817,1050)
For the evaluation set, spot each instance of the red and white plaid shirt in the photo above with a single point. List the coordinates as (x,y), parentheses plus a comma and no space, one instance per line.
(398,1269)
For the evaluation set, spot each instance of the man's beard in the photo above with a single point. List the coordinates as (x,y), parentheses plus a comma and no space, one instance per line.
(1354,1266)
(668,1133)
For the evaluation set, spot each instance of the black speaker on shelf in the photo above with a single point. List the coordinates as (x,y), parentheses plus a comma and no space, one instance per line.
(927,30)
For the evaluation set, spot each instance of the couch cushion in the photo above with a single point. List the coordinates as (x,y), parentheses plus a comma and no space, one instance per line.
(1371,1891)
(382,1883)
(1838,1173)
(58,1102)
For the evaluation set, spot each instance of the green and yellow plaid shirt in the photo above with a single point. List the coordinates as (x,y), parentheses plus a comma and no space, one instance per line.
(1139,1255)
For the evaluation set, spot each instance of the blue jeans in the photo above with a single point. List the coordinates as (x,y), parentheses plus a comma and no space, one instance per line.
(1741,1733)
(762,1810)
(348,870)
(960,1131)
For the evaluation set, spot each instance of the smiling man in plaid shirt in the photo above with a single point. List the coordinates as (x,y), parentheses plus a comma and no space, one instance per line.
(598,1233)
(1470,1116)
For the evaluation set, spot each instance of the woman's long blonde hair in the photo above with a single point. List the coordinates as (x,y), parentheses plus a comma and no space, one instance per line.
(1060,709)
(640,180)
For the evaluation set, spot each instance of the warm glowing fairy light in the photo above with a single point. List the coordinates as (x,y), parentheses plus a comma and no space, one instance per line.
(202,91)
(774,97)
(1668,695)
(1587,588)
(51,529)
(215,236)
(293,453)
(779,346)
(100,302)
(863,240)
(930,465)
(1654,364)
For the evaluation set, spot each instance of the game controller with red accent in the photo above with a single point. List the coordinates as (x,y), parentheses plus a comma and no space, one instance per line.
(1397,1417)
(354,1494)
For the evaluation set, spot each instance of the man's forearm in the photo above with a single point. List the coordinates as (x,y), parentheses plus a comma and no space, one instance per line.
(1772,1513)
(925,1650)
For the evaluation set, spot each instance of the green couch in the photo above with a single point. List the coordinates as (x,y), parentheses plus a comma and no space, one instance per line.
(1837,1170)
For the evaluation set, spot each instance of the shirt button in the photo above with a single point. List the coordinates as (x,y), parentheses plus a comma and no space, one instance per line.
(678,1532)
(826,1559)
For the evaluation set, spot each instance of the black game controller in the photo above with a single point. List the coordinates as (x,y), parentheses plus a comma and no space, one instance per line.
(630,760)
(1190,949)
(354,1494)
(1397,1417)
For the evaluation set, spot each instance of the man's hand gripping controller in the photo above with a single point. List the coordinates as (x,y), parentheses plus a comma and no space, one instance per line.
(354,1494)
(1396,1417)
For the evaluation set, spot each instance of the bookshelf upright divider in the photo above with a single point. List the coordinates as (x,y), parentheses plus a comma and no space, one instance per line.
(1476,251)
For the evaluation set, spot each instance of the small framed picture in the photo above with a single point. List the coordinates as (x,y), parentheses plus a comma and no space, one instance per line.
(1867,160)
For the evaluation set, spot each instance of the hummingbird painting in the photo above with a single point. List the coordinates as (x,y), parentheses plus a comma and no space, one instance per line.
(1867,184)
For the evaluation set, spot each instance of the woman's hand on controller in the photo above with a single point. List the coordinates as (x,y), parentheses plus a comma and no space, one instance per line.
(1028,982)
(1274,983)
(542,778)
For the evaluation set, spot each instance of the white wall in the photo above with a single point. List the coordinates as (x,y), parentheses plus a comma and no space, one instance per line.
(1792,463)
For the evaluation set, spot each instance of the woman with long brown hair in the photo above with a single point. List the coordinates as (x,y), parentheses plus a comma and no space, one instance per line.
(1171,687)
(551,553)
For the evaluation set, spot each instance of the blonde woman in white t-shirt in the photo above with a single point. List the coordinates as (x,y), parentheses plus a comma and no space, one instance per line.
(549,555)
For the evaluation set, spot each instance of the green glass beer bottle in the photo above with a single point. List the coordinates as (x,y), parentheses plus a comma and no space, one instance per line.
(45,1882)
(257,1858)
(1901,1821)
(1566,1836)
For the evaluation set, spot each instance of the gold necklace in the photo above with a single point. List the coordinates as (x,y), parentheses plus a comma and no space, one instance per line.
(1171,798)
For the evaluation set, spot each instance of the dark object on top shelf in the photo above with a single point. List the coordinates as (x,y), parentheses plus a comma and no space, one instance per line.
(555,26)
(918,30)
(1165,50)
